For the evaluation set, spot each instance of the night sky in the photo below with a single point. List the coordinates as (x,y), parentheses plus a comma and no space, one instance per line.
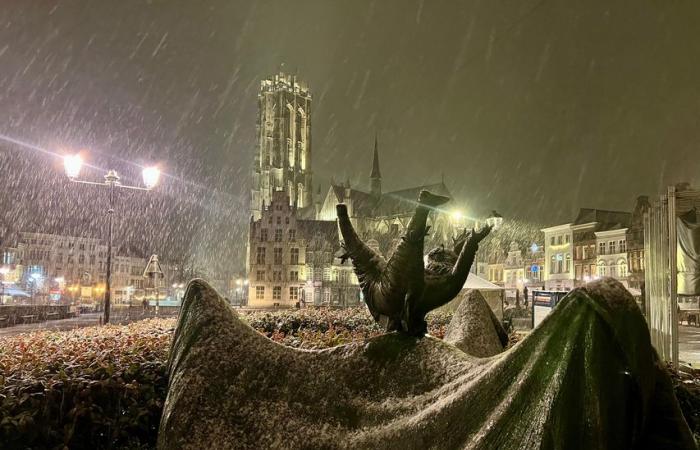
(535,108)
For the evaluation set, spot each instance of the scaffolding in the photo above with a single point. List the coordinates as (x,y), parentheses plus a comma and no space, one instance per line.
(661,271)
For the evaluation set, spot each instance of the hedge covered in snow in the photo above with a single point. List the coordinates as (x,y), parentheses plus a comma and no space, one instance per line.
(104,387)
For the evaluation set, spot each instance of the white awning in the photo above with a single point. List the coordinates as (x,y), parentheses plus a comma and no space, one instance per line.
(476,282)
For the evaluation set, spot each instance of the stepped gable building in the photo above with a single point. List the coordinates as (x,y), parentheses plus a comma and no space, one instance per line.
(291,261)
(381,217)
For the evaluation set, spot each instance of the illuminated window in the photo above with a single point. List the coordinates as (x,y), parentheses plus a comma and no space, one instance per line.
(277,293)
(259,292)
(293,293)
(622,268)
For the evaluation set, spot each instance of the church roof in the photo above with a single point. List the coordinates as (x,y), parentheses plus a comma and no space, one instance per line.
(606,220)
(307,212)
(404,201)
(401,202)
(363,202)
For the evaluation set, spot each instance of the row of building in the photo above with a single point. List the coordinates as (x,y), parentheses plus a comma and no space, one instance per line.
(293,240)
(597,243)
(51,267)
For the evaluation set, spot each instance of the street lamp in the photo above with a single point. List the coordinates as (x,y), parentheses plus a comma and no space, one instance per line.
(495,220)
(154,272)
(36,279)
(72,165)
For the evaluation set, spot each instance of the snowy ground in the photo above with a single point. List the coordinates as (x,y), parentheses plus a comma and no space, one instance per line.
(689,345)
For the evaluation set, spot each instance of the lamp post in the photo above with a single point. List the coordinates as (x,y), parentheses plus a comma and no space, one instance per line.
(239,291)
(36,279)
(154,272)
(72,165)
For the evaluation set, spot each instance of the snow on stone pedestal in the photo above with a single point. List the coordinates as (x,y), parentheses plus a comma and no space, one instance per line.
(474,328)
(587,377)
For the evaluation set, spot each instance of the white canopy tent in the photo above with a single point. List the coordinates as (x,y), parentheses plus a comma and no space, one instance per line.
(493,294)
(474,281)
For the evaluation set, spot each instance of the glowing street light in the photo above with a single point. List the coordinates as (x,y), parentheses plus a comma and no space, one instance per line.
(72,165)
(151,176)
(457,215)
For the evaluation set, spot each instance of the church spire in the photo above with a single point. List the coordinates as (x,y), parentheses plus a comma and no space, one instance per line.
(375,178)
(375,164)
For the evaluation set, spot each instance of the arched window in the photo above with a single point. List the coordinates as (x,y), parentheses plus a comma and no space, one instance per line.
(300,195)
(622,268)
(601,268)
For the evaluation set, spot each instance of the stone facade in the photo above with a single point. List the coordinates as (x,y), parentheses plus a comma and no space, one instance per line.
(573,251)
(612,253)
(292,261)
(558,269)
(283,157)
(76,267)
(635,243)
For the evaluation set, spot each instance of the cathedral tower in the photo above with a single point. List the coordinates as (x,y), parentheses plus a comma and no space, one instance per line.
(283,155)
